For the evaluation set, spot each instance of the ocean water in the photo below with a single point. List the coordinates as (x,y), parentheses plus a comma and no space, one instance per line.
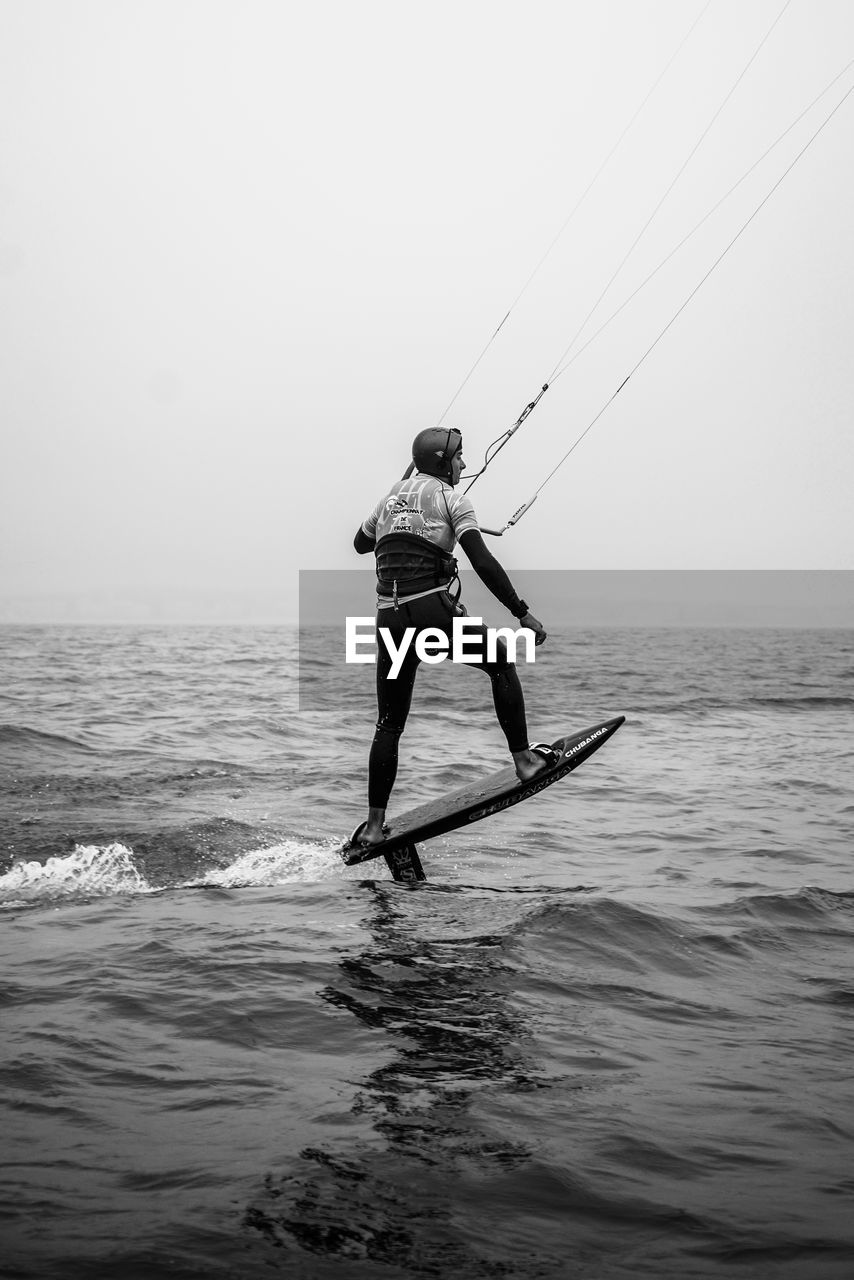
(612,1036)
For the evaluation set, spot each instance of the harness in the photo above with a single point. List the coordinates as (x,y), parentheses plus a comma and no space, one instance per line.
(411,564)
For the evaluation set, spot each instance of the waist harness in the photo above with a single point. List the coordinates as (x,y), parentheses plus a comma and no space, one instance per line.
(408,565)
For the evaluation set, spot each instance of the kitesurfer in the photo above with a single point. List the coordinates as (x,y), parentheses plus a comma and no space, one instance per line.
(413,530)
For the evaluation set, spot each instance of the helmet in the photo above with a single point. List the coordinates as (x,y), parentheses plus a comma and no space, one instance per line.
(433,449)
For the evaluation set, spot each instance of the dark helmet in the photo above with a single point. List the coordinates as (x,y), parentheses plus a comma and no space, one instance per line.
(433,449)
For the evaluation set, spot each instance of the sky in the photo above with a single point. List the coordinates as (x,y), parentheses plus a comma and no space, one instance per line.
(248,250)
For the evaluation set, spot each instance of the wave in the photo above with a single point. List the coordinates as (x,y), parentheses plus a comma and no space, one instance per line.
(89,871)
(279,864)
(703,705)
(636,942)
(629,938)
(21,739)
(115,869)
(802,702)
(808,905)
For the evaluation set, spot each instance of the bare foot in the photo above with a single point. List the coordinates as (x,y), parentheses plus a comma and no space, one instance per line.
(373,832)
(528,764)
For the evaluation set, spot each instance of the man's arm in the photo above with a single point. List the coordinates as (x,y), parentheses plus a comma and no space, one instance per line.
(362,543)
(493,576)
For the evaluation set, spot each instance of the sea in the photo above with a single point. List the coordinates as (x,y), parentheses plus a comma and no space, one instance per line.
(611,1037)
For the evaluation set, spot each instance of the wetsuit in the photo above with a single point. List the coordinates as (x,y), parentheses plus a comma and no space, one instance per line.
(413,531)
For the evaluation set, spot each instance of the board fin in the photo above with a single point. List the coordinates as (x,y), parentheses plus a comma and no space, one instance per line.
(405,865)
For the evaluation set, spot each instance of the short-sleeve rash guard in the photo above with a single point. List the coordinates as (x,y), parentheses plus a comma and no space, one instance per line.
(425,506)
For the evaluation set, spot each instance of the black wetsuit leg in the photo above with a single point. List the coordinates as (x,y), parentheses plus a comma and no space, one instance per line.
(507,696)
(394,698)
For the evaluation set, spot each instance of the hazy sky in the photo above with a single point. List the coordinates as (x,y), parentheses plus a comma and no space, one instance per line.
(249,249)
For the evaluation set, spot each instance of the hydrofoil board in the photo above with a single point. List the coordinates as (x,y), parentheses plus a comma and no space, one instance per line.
(476,800)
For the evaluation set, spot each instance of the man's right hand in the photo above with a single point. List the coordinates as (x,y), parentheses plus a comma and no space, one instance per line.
(534,625)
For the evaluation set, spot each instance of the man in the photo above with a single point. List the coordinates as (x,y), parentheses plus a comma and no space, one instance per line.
(413,531)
